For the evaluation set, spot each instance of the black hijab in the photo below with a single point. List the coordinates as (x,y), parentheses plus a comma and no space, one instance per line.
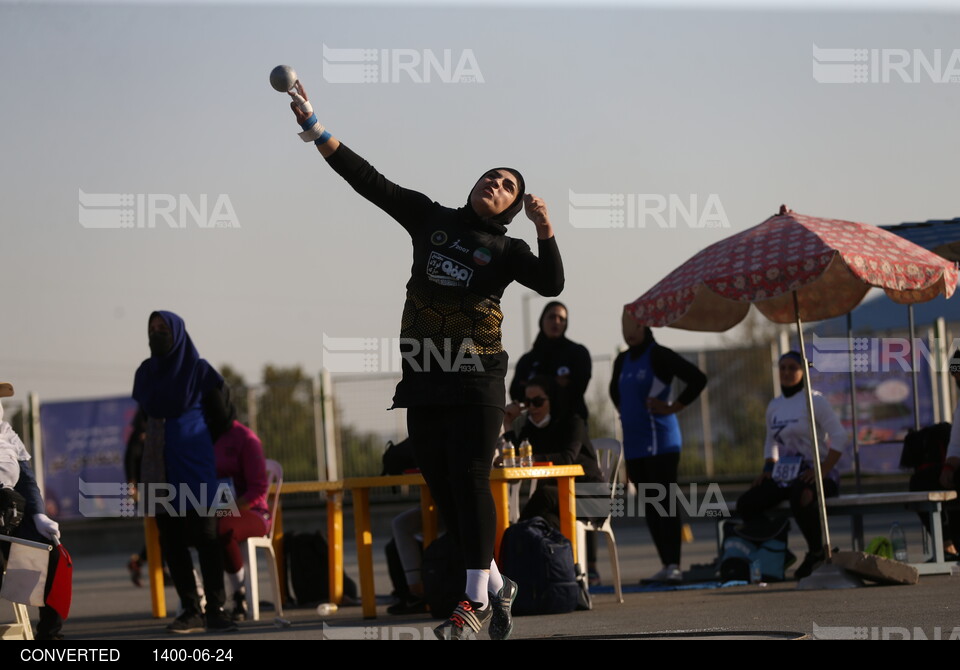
(501,220)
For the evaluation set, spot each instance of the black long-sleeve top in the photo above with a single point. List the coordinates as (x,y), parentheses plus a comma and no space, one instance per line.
(563,441)
(450,330)
(556,359)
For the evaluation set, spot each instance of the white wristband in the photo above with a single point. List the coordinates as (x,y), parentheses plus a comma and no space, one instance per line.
(312,133)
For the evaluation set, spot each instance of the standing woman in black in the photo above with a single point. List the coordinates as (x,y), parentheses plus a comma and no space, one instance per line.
(454,364)
(553,355)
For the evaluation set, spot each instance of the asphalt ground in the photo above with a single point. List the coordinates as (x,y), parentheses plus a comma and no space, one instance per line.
(109,612)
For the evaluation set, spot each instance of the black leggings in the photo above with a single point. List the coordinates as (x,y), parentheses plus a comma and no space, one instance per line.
(664,529)
(454,447)
(177,535)
(755,501)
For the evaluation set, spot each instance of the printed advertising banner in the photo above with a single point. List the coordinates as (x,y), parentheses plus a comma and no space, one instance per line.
(82,440)
(885,399)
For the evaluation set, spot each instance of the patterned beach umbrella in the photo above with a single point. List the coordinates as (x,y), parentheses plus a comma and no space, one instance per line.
(830,264)
(793,268)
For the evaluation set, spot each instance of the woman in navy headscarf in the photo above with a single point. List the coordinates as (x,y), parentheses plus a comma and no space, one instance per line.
(188,407)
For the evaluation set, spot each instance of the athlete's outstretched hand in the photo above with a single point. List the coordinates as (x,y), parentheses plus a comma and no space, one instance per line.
(299,96)
(536,211)
(313,130)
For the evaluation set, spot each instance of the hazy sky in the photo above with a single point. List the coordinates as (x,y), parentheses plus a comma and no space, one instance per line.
(170,104)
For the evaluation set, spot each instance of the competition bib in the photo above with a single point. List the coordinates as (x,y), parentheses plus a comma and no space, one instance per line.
(786,469)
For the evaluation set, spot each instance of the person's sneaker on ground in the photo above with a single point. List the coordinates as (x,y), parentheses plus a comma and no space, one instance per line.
(811,562)
(670,574)
(187,622)
(501,623)
(218,621)
(409,604)
(239,612)
(133,567)
(593,578)
(465,622)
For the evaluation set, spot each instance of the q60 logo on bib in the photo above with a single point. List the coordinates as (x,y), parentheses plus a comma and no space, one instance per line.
(447,272)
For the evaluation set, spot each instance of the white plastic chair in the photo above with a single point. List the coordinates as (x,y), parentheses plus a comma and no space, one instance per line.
(22,629)
(250,545)
(609,456)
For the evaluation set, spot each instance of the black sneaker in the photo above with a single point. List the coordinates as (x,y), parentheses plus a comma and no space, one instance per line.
(219,622)
(465,622)
(188,622)
(811,562)
(501,624)
(239,606)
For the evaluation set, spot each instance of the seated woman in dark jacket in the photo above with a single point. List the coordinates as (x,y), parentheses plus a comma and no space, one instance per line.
(560,439)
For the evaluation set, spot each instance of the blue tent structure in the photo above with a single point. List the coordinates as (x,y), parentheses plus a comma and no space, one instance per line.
(882,315)
(942,237)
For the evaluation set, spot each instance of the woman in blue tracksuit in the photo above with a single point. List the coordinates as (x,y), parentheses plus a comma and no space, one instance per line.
(640,389)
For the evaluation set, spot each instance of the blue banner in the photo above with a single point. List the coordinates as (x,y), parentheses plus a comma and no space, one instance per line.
(82,440)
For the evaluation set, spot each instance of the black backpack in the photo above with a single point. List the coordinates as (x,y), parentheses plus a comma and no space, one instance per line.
(539,559)
(925,447)
(307,569)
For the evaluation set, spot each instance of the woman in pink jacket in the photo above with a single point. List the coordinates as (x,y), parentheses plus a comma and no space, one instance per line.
(239,456)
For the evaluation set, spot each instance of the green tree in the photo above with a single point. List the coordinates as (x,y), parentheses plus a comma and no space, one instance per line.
(239,390)
(285,421)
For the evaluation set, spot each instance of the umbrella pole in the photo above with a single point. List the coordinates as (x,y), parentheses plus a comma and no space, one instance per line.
(828,575)
(821,500)
(913,367)
(857,519)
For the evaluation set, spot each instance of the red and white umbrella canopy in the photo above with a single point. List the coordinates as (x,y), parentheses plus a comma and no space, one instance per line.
(830,263)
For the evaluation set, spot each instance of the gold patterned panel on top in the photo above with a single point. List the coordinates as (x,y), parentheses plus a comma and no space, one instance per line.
(440,316)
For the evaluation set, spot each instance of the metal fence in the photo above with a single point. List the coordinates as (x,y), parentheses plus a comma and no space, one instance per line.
(723,430)
(342,424)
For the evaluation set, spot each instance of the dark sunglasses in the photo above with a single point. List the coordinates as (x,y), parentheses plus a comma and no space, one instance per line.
(536,402)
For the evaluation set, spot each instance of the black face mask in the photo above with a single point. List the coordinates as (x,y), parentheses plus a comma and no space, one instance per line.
(160,343)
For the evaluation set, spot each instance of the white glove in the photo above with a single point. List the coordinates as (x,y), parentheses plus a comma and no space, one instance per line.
(46,526)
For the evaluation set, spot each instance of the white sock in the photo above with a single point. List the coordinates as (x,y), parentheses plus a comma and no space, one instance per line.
(477,586)
(236,580)
(496,579)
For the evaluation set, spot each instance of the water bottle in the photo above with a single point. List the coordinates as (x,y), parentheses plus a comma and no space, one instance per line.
(526,454)
(509,455)
(899,542)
